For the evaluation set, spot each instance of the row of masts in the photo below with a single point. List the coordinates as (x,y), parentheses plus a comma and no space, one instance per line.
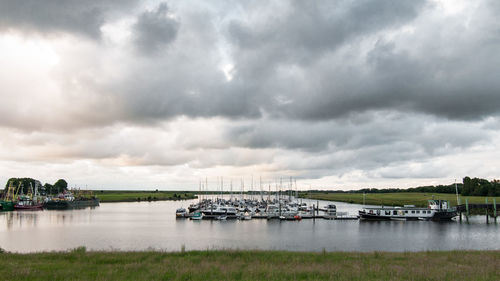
(278,192)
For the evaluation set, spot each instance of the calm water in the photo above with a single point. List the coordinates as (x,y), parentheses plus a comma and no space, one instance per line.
(142,226)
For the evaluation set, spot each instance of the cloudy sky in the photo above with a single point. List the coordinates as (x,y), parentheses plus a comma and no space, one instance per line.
(338,94)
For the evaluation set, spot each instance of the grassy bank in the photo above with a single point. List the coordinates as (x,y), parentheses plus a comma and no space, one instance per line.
(131,196)
(251,265)
(395,199)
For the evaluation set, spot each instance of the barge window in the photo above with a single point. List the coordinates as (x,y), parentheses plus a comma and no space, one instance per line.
(388,212)
(394,212)
(418,212)
(406,211)
(413,212)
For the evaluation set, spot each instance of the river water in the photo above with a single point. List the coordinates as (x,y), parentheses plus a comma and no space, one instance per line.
(152,225)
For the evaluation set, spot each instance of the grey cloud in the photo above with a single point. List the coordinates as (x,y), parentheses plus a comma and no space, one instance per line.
(155,29)
(377,129)
(81,17)
(374,140)
(327,70)
(309,28)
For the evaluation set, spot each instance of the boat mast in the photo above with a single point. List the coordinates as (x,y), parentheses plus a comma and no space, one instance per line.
(251,189)
(260,185)
(456,190)
(296,191)
(241,189)
(269,193)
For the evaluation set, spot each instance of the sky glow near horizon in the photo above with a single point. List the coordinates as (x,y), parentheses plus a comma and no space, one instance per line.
(162,94)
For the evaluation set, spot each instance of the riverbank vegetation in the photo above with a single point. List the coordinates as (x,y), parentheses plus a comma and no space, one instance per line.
(251,265)
(132,196)
(418,199)
(468,187)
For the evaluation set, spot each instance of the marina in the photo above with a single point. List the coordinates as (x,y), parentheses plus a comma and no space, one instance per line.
(289,208)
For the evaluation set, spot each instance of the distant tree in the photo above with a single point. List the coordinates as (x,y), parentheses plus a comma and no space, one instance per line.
(49,188)
(60,186)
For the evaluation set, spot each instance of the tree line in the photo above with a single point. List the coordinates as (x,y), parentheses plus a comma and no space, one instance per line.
(481,187)
(469,187)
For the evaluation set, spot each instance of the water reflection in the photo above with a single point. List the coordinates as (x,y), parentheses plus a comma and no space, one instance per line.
(152,225)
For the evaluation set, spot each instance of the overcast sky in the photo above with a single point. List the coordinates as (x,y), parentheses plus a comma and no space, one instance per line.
(338,94)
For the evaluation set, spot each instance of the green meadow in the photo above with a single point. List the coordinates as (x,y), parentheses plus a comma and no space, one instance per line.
(251,265)
(131,196)
(395,199)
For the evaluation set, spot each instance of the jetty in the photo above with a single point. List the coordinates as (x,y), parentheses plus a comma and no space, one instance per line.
(488,209)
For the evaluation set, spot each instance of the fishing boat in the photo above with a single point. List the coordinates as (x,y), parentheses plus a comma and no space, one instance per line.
(6,206)
(66,201)
(27,203)
(436,210)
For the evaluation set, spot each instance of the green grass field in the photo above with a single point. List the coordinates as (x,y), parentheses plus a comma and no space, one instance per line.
(130,196)
(251,265)
(395,199)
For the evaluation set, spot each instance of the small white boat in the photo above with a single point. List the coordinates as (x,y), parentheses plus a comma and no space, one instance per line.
(180,213)
(245,216)
(222,218)
(331,212)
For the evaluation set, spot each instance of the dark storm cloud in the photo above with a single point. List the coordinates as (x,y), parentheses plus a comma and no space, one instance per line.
(74,16)
(323,61)
(311,62)
(306,29)
(155,29)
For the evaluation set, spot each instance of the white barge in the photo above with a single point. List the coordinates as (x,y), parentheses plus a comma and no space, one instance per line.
(437,210)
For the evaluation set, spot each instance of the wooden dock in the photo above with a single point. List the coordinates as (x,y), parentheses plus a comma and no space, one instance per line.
(489,209)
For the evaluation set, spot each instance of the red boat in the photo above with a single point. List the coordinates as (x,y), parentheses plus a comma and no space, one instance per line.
(33,207)
(25,203)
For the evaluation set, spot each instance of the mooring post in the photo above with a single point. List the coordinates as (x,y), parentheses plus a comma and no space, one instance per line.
(495,209)
(460,215)
(314,216)
(487,219)
(467,209)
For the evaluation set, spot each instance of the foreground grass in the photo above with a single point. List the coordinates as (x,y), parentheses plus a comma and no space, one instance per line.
(130,196)
(251,265)
(396,199)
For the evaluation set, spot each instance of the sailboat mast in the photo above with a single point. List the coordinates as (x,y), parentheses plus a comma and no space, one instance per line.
(260,187)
